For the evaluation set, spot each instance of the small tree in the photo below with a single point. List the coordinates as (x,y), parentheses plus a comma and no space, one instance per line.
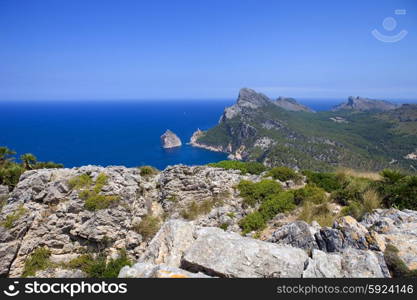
(28,160)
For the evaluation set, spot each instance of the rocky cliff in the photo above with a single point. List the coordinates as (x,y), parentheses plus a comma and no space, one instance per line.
(100,211)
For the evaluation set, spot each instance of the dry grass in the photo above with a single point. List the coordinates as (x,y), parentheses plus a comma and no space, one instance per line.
(148,227)
(320,213)
(359,174)
(195,209)
(371,200)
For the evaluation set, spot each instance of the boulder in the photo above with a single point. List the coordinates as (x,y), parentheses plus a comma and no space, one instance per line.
(297,234)
(350,263)
(7,254)
(219,253)
(323,265)
(169,244)
(398,228)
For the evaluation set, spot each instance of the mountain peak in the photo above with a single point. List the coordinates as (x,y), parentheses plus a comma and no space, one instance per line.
(252,99)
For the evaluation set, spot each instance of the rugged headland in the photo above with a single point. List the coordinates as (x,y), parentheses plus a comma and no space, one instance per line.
(361,133)
(196,221)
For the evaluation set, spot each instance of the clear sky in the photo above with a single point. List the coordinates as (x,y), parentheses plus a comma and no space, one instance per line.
(132,49)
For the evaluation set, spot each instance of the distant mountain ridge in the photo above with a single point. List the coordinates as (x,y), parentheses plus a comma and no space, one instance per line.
(365,104)
(361,133)
(291,104)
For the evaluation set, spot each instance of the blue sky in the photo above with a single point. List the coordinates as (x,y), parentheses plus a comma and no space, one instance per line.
(108,49)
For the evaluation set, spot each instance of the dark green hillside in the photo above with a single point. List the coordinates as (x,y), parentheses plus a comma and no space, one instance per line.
(321,141)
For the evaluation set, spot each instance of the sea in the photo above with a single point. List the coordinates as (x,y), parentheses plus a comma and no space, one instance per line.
(114,132)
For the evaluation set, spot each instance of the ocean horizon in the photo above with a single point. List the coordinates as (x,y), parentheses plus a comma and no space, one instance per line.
(113,132)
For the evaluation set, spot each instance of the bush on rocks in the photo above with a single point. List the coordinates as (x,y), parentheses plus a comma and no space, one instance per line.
(257,192)
(244,167)
(284,174)
(311,193)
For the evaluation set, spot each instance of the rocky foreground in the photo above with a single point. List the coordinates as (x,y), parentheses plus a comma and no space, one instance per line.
(46,210)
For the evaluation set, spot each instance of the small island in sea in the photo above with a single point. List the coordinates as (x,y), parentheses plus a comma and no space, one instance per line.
(170,140)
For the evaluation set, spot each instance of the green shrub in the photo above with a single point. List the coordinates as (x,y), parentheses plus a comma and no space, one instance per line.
(284,174)
(81,181)
(390,177)
(98,267)
(147,171)
(245,167)
(256,192)
(82,262)
(10,174)
(10,171)
(310,193)
(398,190)
(89,191)
(100,182)
(13,217)
(114,265)
(231,215)
(224,226)
(395,264)
(353,190)
(360,203)
(38,260)
(251,222)
(277,203)
(327,181)
(354,209)
(344,196)
(148,226)
(94,201)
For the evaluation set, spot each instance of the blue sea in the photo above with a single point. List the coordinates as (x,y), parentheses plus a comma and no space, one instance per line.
(104,133)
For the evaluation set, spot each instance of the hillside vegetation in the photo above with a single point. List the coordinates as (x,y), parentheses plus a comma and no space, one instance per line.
(357,193)
(368,140)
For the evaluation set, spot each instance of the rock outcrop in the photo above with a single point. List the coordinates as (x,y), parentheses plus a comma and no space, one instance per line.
(212,252)
(345,233)
(224,254)
(247,99)
(365,104)
(46,210)
(398,228)
(170,140)
(350,263)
